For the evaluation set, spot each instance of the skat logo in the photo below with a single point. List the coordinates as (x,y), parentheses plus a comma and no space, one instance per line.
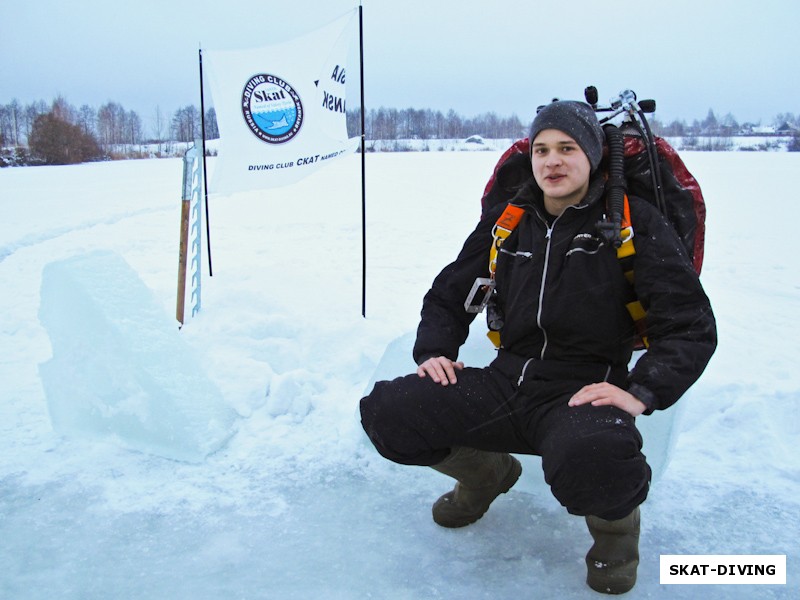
(271,108)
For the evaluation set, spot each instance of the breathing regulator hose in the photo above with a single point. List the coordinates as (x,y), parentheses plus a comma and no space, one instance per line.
(615,186)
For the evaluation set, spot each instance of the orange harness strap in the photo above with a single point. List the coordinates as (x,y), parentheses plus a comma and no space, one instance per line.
(506,224)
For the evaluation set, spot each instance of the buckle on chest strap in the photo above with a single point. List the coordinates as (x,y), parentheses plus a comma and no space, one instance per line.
(479,295)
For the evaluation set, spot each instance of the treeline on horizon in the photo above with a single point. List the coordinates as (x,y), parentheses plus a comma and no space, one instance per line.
(60,133)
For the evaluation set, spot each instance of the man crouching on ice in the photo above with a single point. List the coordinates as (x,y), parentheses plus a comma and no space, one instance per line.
(559,387)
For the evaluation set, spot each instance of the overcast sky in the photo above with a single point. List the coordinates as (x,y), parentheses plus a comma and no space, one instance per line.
(470,55)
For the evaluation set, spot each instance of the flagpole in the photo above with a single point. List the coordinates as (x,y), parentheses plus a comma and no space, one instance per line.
(205,178)
(363,172)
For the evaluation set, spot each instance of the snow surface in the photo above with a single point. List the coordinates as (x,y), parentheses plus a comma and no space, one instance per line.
(297,504)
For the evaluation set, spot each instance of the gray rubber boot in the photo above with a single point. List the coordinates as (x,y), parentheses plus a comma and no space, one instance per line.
(481,477)
(612,560)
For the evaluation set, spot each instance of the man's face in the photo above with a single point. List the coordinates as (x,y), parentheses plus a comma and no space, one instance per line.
(560,168)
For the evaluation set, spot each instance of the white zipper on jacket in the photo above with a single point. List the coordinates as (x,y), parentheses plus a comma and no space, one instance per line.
(524,368)
(549,237)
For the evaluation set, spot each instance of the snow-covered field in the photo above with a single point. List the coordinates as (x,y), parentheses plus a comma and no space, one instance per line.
(296,504)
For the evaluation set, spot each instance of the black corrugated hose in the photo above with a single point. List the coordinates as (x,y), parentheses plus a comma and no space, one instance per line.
(615,185)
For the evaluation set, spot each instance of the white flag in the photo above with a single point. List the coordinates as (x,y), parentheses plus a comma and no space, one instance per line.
(281,108)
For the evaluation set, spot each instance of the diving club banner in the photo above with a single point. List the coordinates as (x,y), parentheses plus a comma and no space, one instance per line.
(280,108)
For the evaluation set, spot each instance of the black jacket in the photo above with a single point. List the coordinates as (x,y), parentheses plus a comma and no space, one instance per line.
(562,293)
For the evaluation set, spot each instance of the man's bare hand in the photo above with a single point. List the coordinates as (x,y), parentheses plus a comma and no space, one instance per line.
(607,394)
(440,369)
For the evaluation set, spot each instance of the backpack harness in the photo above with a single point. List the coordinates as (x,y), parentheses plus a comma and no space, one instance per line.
(505,225)
(637,161)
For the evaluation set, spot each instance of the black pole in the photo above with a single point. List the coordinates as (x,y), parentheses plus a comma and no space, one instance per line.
(363,173)
(205,171)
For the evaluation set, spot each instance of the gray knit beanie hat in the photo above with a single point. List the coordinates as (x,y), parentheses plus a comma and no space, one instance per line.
(577,120)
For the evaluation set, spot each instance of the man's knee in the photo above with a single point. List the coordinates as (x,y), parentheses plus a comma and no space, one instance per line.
(377,418)
(392,424)
(603,473)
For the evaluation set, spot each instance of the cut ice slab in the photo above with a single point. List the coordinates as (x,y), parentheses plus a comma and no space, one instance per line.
(120,370)
(658,430)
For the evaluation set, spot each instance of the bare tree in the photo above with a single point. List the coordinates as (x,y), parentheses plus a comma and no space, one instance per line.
(454,127)
(710,125)
(728,125)
(186,124)
(87,119)
(5,126)
(32,111)
(110,124)
(211,127)
(63,110)
(133,128)
(15,113)
(158,127)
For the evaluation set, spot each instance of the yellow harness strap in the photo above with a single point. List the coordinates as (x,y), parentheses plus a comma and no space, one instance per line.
(507,222)
(511,217)
(625,254)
